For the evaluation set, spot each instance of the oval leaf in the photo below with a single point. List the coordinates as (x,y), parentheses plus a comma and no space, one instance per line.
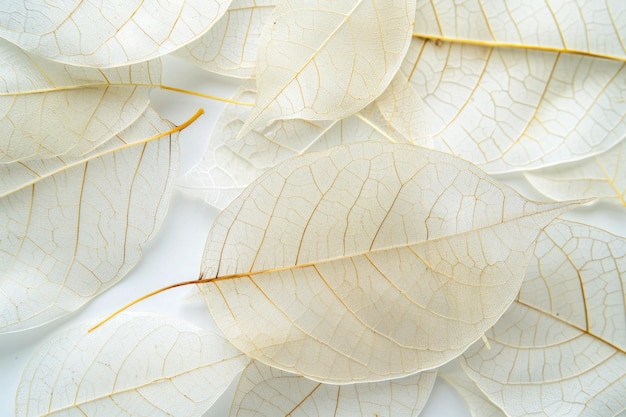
(265,391)
(110,34)
(230,47)
(368,261)
(510,109)
(50,109)
(563,342)
(135,365)
(74,234)
(327,60)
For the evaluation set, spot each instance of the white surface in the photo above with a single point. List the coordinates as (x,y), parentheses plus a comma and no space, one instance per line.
(174,255)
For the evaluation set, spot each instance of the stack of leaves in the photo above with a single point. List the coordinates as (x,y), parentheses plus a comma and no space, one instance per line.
(363,246)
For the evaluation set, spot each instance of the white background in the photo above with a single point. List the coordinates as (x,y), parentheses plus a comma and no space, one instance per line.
(174,255)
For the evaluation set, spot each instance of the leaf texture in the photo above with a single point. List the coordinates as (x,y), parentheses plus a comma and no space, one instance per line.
(368,261)
(135,365)
(49,109)
(602,176)
(563,342)
(326,60)
(230,46)
(265,391)
(110,34)
(229,164)
(512,109)
(74,234)
(578,26)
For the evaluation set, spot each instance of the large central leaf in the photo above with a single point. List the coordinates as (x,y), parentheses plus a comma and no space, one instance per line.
(368,261)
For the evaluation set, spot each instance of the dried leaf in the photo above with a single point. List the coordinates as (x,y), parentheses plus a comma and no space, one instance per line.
(602,176)
(74,234)
(51,109)
(135,365)
(563,342)
(327,60)
(591,28)
(107,34)
(230,46)
(512,109)
(368,261)
(265,391)
(231,164)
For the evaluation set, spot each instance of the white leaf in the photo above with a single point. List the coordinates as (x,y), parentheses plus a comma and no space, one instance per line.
(230,46)
(577,26)
(72,235)
(231,164)
(107,34)
(327,60)
(512,109)
(265,391)
(602,176)
(134,365)
(563,342)
(51,109)
(367,261)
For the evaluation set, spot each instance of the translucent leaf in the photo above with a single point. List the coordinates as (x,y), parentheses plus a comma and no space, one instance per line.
(107,34)
(230,164)
(74,234)
(594,28)
(49,109)
(265,391)
(135,365)
(230,47)
(368,261)
(327,60)
(563,343)
(478,403)
(513,109)
(602,176)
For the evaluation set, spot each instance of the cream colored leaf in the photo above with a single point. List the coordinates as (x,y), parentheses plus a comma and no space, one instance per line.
(578,26)
(135,365)
(326,60)
(230,164)
(265,391)
(563,343)
(107,34)
(230,46)
(72,235)
(368,261)
(49,109)
(602,176)
(478,403)
(512,109)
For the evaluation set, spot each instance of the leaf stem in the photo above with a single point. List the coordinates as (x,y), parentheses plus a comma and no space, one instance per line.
(195,93)
(496,44)
(143,297)
(189,121)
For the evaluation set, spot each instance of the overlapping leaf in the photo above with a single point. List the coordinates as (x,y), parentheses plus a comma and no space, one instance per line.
(72,235)
(530,85)
(326,60)
(562,344)
(602,176)
(265,391)
(229,164)
(135,365)
(107,34)
(336,267)
(49,109)
(230,47)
